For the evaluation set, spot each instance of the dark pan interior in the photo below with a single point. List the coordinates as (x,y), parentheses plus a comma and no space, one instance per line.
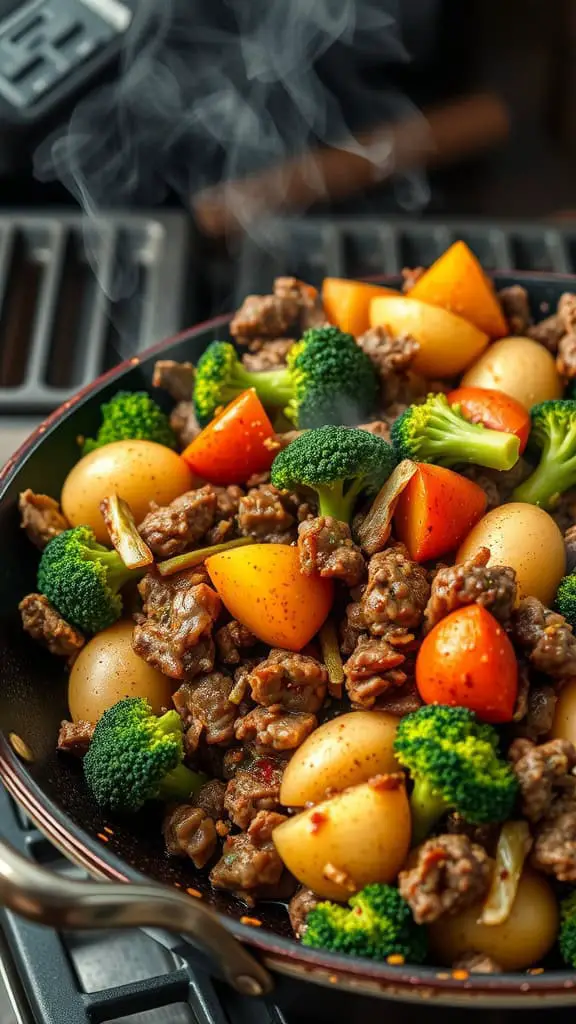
(33,683)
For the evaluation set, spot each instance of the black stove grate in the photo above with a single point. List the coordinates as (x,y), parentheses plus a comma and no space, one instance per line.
(362,247)
(62,324)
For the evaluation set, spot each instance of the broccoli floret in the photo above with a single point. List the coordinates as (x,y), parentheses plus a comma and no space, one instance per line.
(377,923)
(436,432)
(131,416)
(567,937)
(566,599)
(327,379)
(338,463)
(135,757)
(82,579)
(554,433)
(454,764)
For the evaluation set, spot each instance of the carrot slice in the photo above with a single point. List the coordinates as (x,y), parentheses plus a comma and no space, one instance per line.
(436,511)
(347,303)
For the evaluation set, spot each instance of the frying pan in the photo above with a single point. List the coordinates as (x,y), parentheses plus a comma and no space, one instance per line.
(204,927)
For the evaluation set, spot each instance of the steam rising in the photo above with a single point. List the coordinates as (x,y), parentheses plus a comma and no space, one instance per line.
(211,91)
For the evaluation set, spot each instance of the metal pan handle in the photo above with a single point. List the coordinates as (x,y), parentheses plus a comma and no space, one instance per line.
(50,899)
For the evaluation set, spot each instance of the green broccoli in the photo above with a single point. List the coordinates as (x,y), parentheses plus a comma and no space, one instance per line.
(554,433)
(567,937)
(128,416)
(377,924)
(436,432)
(135,757)
(566,599)
(82,579)
(454,765)
(327,379)
(338,463)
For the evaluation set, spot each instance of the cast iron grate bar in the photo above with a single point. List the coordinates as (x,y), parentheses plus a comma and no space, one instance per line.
(361,247)
(76,298)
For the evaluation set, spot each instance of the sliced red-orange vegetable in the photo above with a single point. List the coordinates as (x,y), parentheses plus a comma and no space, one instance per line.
(436,510)
(494,409)
(231,448)
(347,303)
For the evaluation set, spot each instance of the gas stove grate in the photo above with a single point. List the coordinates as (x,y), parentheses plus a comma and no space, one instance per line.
(58,328)
(361,247)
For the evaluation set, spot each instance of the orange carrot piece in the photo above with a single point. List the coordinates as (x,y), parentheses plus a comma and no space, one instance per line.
(347,303)
(436,510)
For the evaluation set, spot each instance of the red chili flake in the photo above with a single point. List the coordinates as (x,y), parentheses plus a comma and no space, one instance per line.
(265,766)
(387,782)
(104,838)
(194,892)
(317,819)
(253,921)
(504,874)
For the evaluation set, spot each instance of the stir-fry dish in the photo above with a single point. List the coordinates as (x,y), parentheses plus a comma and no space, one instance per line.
(323,611)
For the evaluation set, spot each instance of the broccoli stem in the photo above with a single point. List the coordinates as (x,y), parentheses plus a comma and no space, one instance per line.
(273,387)
(548,481)
(461,441)
(334,502)
(427,806)
(117,574)
(180,784)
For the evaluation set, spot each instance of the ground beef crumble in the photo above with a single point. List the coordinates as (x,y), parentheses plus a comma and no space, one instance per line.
(174,631)
(295,681)
(206,710)
(172,529)
(253,789)
(210,798)
(472,582)
(302,902)
(75,737)
(554,850)
(326,549)
(372,670)
(546,638)
(451,873)
(544,773)
(189,832)
(271,356)
(42,622)
(275,728)
(250,860)
(175,378)
(264,514)
(516,309)
(41,517)
(231,640)
(396,595)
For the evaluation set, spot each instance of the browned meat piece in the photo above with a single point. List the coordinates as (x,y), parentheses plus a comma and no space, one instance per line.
(41,517)
(401,700)
(175,378)
(546,637)
(477,963)
(275,728)
(75,737)
(178,616)
(184,423)
(566,358)
(189,832)
(540,712)
(389,354)
(472,582)
(352,628)
(271,356)
(570,544)
(396,595)
(263,515)
(516,308)
(311,312)
(482,835)
(210,798)
(567,311)
(410,275)
(250,860)
(295,681)
(554,850)
(302,902)
(231,639)
(44,624)
(544,773)
(326,549)
(378,427)
(253,789)
(278,442)
(548,332)
(172,529)
(372,670)
(206,710)
(451,873)
(227,501)
(265,317)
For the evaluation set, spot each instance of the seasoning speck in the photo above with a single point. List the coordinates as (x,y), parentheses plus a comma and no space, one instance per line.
(460,975)
(105,839)
(395,960)
(194,892)
(253,921)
